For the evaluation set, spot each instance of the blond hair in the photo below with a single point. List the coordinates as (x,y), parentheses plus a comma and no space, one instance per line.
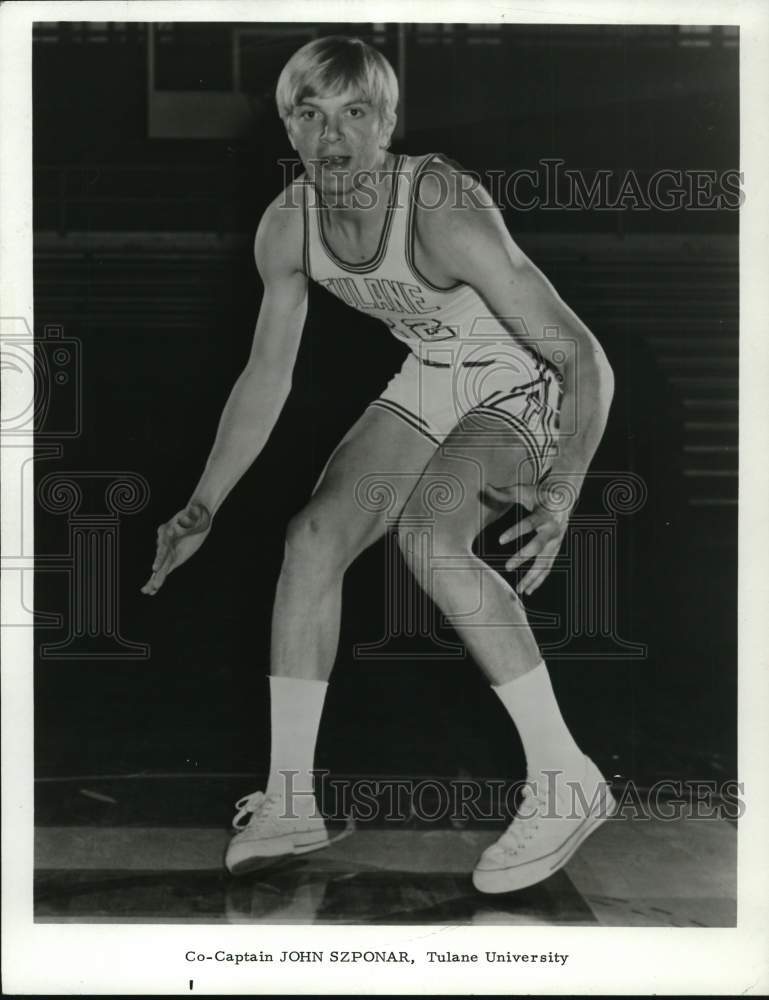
(330,66)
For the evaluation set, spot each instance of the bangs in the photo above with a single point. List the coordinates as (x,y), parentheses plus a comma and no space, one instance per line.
(331,66)
(331,80)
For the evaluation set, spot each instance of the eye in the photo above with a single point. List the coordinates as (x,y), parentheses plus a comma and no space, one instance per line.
(355,112)
(308,114)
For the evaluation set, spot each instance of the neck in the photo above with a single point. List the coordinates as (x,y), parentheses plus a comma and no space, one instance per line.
(369,193)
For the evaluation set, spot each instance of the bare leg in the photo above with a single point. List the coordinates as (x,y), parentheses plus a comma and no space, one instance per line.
(363,488)
(365,484)
(438,526)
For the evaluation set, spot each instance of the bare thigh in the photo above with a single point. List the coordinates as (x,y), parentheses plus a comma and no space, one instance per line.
(452,495)
(451,505)
(365,484)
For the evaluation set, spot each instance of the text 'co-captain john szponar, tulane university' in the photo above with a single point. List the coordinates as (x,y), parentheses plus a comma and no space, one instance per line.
(375,957)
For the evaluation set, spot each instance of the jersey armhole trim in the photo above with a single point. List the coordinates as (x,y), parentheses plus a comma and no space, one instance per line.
(411,231)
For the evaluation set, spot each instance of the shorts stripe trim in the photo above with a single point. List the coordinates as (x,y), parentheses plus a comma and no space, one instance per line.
(407,417)
(551,434)
(521,427)
(516,390)
(405,410)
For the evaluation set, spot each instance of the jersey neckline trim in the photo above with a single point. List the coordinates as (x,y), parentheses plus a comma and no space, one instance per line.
(373,263)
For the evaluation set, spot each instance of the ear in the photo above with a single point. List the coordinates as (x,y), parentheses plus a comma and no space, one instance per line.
(386,129)
(288,123)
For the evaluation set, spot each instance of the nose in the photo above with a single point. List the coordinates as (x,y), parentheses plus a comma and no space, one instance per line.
(331,131)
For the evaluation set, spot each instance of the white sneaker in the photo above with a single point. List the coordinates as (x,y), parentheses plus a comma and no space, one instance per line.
(268,833)
(547,831)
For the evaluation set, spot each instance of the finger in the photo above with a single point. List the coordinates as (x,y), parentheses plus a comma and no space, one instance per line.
(538,571)
(530,551)
(162,573)
(160,555)
(522,527)
(165,557)
(163,552)
(175,529)
(537,520)
(151,586)
(160,566)
(546,534)
(536,581)
(536,584)
(534,577)
(167,539)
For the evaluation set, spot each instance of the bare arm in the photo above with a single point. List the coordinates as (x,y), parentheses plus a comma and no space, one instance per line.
(472,244)
(260,391)
(257,397)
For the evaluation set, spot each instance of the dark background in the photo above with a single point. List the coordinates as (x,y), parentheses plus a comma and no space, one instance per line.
(143,253)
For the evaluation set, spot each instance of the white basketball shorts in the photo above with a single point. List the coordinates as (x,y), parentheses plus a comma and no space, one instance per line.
(433,396)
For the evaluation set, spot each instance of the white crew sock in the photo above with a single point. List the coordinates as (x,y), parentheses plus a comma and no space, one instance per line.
(547,742)
(295,710)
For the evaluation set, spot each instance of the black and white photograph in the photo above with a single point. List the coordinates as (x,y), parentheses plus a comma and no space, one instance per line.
(381,488)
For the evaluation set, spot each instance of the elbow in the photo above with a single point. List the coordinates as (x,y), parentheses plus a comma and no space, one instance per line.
(607,378)
(591,367)
(603,371)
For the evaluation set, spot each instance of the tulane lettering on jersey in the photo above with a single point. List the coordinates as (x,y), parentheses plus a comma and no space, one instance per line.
(379,293)
(389,285)
(390,301)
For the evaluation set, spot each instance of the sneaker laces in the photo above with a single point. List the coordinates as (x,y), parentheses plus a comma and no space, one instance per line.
(523,828)
(257,807)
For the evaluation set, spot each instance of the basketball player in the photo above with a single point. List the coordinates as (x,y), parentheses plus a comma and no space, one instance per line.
(466,429)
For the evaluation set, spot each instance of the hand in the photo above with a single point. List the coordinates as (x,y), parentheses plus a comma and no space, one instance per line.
(548,518)
(178,539)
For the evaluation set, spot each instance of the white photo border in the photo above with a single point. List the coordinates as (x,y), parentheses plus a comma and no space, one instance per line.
(149,958)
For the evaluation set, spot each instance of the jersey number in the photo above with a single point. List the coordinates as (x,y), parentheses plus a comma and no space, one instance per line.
(426,329)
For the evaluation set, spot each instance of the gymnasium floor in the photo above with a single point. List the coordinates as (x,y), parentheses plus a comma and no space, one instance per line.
(97,860)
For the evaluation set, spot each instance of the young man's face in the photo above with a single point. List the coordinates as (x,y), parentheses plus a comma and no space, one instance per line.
(337,138)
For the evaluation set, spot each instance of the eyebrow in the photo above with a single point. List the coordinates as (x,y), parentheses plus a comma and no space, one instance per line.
(347,104)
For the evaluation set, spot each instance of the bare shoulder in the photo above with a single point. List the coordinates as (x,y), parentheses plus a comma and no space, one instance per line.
(457,215)
(279,241)
(446,186)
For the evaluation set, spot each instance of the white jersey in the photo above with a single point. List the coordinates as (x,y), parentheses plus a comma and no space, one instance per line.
(390,287)
(462,358)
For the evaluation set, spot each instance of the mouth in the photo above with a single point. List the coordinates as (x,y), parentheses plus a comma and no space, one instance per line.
(333,162)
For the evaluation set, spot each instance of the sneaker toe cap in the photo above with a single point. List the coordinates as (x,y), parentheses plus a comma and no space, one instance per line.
(494,858)
(242,848)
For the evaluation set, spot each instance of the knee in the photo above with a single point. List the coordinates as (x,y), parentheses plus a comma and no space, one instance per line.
(420,540)
(309,532)
(314,537)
